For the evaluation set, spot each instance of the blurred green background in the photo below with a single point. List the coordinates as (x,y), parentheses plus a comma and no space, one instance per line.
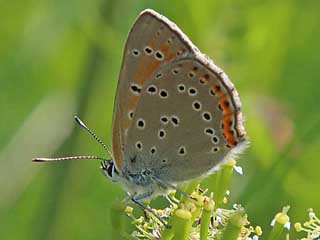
(60,58)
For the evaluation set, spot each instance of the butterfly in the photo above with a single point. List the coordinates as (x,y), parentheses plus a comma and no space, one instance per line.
(176,115)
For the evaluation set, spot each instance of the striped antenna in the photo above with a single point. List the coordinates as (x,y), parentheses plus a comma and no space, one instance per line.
(78,120)
(67,158)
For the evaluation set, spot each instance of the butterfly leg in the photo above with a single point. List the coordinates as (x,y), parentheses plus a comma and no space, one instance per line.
(135,199)
(169,185)
(169,200)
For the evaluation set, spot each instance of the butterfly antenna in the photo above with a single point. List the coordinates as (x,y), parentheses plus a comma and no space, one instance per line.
(78,120)
(67,158)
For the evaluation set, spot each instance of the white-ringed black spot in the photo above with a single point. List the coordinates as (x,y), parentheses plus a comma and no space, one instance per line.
(175,121)
(164,119)
(169,40)
(202,81)
(141,123)
(136,52)
(158,75)
(153,150)
(196,105)
(152,89)
(215,149)
(209,131)
(164,160)
(136,89)
(182,151)
(206,116)
(181,88)
(163,93)
(139,145)
(191,74)
(215,139)
(130,114)
(211,92)
(162,134)
(148,50)
(159,55)
(175,71)
(192,91)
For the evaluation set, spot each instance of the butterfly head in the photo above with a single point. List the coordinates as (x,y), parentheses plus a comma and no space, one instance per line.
(109,169)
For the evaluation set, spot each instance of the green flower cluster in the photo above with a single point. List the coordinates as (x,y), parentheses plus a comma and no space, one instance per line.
(311,227)
(203,216)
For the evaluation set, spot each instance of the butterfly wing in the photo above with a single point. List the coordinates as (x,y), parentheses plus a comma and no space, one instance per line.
(187,116)
(186,122)
(152,41)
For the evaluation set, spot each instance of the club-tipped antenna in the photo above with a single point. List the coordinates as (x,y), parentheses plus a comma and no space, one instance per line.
(78,120)
(67,158)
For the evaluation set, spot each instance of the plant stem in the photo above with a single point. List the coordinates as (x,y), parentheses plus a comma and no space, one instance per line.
(234,226)
(182,224)
(167,233)
(222,180)
(205,218)
(280,220)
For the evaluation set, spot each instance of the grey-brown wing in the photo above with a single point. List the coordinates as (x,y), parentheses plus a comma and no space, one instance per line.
(187,121)
(152,42)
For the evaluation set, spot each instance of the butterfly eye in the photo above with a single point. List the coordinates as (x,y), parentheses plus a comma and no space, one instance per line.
(109,169)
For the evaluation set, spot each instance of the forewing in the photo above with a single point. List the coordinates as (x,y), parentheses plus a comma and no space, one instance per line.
(152,42)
